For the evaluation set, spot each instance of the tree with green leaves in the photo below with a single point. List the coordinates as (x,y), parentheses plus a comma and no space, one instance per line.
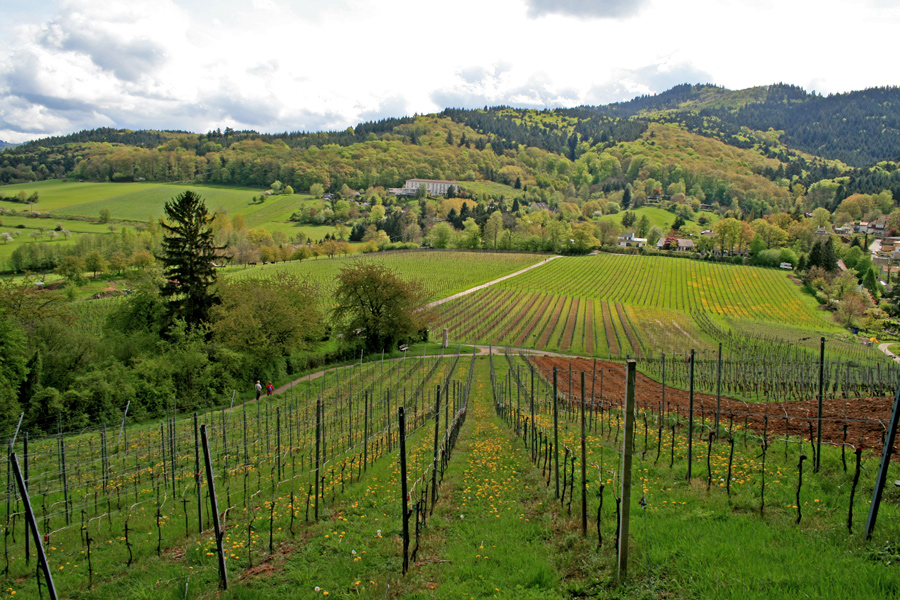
(493,229)
(189,252)
(267,318)
(94,261)
(373,306)
(643,226)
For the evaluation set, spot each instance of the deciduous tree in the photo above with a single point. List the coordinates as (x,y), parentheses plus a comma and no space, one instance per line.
(374,305)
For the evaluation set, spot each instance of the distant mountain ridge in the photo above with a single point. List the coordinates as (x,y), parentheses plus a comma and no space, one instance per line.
(6,145)
(786,135)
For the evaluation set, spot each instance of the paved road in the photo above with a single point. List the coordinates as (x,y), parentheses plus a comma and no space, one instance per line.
(884,348)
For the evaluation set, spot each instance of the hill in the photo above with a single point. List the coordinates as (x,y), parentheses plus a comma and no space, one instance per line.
(786,135)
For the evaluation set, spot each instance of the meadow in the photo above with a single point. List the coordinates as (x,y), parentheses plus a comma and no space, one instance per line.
(76,207)
(659,217)
(141,201)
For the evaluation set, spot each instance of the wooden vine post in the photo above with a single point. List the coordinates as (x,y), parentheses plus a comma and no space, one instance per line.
(889,438)
(32,526)
(821,399)
(211,484)
(690,455)
(583,466)
(627,442)
(555,431)
(404,491)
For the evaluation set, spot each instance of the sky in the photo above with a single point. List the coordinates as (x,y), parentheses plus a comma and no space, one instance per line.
(313,65)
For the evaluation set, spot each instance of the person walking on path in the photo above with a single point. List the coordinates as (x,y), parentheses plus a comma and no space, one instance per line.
(270,389)
(258,390)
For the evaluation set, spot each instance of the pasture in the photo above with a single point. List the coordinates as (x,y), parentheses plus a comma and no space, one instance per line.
(76,207)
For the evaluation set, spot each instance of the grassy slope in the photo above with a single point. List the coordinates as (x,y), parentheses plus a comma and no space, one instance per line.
(658,217)
(143,201)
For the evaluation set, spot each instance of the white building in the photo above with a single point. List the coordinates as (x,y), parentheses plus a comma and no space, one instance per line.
(628,240)
(433,187)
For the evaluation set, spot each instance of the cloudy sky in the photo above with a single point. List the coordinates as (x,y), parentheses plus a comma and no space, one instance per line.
(305,65)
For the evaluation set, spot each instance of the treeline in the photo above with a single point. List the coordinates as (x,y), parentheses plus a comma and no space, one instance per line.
(858,128)
(558,130)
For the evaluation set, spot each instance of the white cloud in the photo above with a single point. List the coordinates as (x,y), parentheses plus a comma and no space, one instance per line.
(604,9)
(286,65)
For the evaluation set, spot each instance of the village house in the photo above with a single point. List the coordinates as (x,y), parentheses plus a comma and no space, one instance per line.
(628,240)
(673,243)
(890,244)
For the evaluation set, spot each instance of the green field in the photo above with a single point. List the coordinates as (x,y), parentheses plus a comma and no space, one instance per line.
(658,217)
(143,201)
(77,206)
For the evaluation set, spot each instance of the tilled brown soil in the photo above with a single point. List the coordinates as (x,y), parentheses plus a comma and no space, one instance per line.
(865,419)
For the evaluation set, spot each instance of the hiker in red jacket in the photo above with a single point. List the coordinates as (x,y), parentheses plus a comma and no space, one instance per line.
(270,389)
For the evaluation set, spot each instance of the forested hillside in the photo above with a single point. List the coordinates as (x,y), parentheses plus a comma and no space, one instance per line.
(792,139)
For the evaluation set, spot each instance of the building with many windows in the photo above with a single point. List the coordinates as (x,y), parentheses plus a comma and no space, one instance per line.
(433,187)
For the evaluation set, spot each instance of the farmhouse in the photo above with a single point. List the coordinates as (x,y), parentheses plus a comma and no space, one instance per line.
(433,187)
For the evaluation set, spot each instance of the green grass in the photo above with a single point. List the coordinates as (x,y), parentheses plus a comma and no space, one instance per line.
(490,188)
(659,217)
(142,201)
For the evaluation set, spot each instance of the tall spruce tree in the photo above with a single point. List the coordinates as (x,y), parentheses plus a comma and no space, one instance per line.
(188,256)
(829,256)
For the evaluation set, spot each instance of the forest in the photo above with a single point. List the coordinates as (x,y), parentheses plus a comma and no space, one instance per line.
(852,139)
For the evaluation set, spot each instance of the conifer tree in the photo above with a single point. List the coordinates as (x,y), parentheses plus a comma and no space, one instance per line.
(188,256)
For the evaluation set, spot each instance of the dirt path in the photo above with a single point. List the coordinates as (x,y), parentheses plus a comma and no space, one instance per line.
(489,283)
